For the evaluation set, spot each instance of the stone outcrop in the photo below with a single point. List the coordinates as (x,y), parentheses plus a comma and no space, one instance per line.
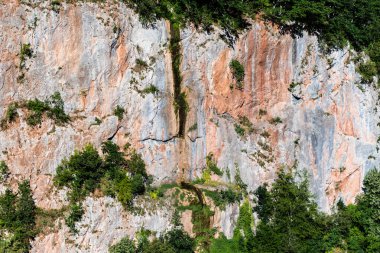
(300,107)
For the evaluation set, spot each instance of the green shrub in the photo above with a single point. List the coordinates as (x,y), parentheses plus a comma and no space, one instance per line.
(211,165)
(53,107)
(275,121)
(367,70)
(151,89)
(222,198)
(56,110)
(81,172)
(180,103)
(17,217)
(119,112)
(179,240)
(125,245)
(262,112)
(75,215)
(4,171)
(38,108)
(246,123)
(239,182)
(115,175)
(238,72)
(193,127)
(140,65)
(11,113)
(293,85)
(25,52)
(239,130)
(97,121)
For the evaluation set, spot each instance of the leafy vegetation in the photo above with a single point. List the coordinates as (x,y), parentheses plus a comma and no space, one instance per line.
(291,222)
(173,241)
(238,72)
(239,130)
(75,215)
(115,175)
(10,115)
(244,127)
(275,121)
(151,89)
(193,127)
(242,240)
(53,107)
(293,85)
(125,245)
(140,65)
(334,22)
(17,219)
(119,112)
(25,52)
(367,70)
(222,198)
(4,171)
(211,165)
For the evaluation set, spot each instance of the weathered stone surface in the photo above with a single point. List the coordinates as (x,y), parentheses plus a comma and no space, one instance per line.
(88,53)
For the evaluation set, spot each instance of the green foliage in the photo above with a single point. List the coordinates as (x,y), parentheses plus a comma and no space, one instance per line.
(211,165)
(25,52)
(81,172)
(222,198)
(119,112)
(290,216)
(243,231)
(17,217)
(10,115)
(293,85)
(158,246)
(367,70)
(238,72)
(56,110)
(4,171)
(151,89)
(97,121)
(263,203)
(125,245)
(335,22)
(239,130)
(193,127)
(75,215)
(242,240)
(173,241)
(239,182)
(53,107)
(115,175)
(179,240)
(275,120)
(180,104)
(373,51)
(227,14)
(244,126)
(140,65)
(38,108)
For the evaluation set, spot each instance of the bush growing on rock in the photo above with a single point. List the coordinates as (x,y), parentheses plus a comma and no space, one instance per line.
(17,219)
(238,72)
(115,175)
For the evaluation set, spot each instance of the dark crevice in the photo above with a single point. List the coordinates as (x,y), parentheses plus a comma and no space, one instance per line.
(181,106)
(113,135)
(197,191)
(153,139)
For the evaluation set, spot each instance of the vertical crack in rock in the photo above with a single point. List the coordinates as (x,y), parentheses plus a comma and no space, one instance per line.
(181,106)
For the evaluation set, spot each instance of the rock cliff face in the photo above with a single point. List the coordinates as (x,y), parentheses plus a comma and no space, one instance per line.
(297,105)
